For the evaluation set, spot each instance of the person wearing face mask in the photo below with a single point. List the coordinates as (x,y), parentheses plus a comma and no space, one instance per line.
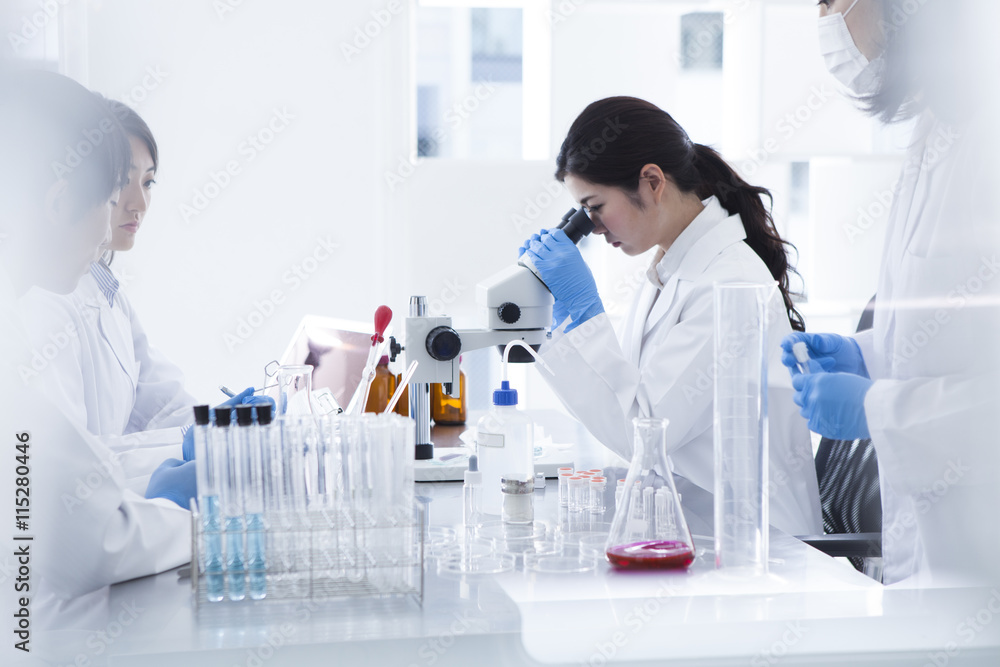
(650,187)
(63,160)
(110,378)
(923,383)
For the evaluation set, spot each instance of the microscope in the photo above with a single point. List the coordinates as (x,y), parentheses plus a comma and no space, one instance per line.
(518,306)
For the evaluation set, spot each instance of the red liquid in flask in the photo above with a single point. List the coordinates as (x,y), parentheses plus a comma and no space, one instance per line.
(653,555)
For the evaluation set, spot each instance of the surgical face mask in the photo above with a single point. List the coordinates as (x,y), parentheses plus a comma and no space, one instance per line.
(843,58)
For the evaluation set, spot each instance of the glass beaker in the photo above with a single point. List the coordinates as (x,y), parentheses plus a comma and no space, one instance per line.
(295,390)
(649,530)
(740,425)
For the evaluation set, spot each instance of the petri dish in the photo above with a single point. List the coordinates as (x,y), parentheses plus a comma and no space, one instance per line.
(510,533)
(592,546)
(495,564)
(559,565)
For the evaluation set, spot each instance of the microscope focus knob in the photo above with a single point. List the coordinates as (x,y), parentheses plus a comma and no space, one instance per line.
(509,313)
(443,343)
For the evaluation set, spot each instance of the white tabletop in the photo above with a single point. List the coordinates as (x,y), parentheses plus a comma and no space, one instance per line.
(810,609)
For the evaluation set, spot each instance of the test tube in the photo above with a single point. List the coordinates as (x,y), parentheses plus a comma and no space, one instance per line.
(296,557)
(208,505)
(577,488)
(597,486)
(564,477)
(619,492)
(231,500)
(233,507)
(254,501)
(801,352)
(664,501)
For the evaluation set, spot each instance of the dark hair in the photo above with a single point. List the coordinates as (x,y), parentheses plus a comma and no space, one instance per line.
(926,61)
(53,128)
(611,141)
(136,127)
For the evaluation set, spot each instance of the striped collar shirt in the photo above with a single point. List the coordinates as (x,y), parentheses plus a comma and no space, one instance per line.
(106,280)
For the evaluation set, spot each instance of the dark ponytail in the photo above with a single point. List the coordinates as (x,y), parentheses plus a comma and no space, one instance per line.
(613,139)
(739,197)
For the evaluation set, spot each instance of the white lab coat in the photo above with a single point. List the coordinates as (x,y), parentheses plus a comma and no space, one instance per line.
(662,367)
(96,360)
(933,410)
(89,529)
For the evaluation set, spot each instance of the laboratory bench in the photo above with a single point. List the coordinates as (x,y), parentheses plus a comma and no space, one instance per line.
(809,609)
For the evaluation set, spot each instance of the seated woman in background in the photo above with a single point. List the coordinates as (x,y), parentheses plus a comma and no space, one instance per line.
(109,377)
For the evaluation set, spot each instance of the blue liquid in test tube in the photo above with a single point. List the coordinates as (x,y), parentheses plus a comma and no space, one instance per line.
(206,453)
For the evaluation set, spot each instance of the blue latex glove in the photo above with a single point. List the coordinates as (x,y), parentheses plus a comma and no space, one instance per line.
(832,403)
(567,275)
(174,480)
(245,397)
(835,354)
(237,399)
(559,310)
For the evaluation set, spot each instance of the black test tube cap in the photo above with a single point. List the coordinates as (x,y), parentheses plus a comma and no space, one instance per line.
(244,415)
(264,414)
(201,417)
(223,417)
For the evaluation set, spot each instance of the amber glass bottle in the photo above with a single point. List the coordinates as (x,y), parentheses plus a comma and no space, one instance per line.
(448,410)
(383,387)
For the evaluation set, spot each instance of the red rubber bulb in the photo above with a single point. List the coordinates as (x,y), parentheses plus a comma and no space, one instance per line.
(383,315)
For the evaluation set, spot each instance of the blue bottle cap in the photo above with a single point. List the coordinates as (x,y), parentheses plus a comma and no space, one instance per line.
(505,395)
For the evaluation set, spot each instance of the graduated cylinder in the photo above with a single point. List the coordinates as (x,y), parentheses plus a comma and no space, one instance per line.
(740,425)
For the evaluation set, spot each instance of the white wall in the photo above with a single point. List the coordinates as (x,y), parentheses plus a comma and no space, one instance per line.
(343,167)
(222,80)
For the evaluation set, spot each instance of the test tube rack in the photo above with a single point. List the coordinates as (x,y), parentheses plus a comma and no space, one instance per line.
(326,555)
(312,508)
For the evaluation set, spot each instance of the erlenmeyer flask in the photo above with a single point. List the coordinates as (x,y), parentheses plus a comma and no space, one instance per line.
(649,530)
(295,390)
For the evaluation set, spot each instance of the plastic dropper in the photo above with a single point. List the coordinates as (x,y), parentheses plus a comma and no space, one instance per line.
(383,316)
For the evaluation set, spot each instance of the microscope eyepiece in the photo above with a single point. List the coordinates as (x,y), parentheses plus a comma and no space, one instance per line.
(577,224)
